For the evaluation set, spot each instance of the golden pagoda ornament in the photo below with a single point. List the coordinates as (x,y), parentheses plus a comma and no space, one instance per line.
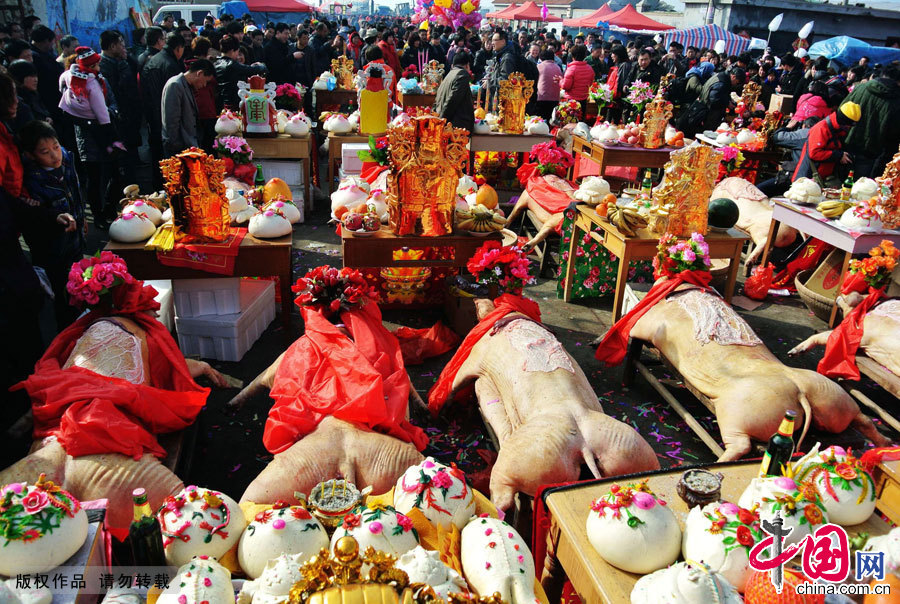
(656,117)
(432,75)
(690,176)
(337,578)
(514,94)
(427,156)
(750,95)
(342,69)
(194,184)
(888,202)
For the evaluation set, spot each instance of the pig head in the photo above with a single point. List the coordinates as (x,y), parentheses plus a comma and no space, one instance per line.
(335,448)
(544,412)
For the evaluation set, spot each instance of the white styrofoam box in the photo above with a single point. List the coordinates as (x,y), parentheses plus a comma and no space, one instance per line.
(200,297)
(349,159)
(166,313)
(229,337)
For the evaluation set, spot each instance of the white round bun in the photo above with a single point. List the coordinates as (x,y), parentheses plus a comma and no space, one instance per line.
(199,522)
(290,211)
(495,558)
(131,228)
(285,530)
(846,489)
(148,209)
(706,531)
(269,225)
(684,583)
(771,493)
(851,220)
(382,527)
(438,491)
(274,584)
(199,580)
(425,566)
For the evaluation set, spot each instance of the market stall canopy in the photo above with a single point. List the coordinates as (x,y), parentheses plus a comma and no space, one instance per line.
(706,36)
(531,12)
(287,11)
(502,14)
(590,20)
(846,51)
(629,19)
(278,6)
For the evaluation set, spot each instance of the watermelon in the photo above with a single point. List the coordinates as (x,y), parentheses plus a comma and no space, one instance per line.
(723,213)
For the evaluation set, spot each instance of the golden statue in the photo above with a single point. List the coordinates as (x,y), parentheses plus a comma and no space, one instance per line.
(432,74)
(197,195)
(337,578)
(750,95)
(771,123)
(514,94)
(690,176)
(888,206)
(342,69)
(427,156)
(656,118)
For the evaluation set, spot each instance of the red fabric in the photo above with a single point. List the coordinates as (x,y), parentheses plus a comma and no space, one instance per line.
(591,19)
(873,457)
(503,305)
(615,344)
(11,172)
(548,197)
(807,259)
(371,170)
(612,80)
(391,60)
(529,11)
(360,380)
(577,80)
(93,414)
(420,344)
(215,258)
(758,284)
(843,342)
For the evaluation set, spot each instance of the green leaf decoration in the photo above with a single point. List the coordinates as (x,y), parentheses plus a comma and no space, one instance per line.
(728,540)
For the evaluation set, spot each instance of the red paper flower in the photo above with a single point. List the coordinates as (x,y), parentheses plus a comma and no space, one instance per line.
(747,517)
(845,471)
(300,513)
(813,514)
(744,536)
(351,521)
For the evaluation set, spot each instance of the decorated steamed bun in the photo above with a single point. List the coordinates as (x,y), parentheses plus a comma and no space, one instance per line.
(351,192)
(269,225)
(10,593)
(140,206)
(800,505)
(41,527)
(287,209)
(633,529)
(721,534)
(274,583)
(890,545)
(337,123)
(199,522)
(425,566)
(804,190)
(282,530)
(438,491)
(684,583)
(846,489)
(380,526)
(482,127)
(131,228)
(298,125)
(853,218)
(201,580)
(495,558)
(864,188)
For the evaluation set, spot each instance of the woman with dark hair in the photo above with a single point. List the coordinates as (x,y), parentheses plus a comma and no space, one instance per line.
(549,76)
(355,47)
(25,74)
(417,54)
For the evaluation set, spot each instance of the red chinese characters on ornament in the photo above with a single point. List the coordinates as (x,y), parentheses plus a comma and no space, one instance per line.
(826,554)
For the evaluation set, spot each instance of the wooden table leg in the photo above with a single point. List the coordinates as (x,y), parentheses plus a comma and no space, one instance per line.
(553,576)
(629,367)
(733,272)
(621,282)
(570,263)
(834,307)
(307,189)
(770,241)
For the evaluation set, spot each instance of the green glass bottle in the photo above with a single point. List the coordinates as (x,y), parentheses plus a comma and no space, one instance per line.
(145,533)
(846,187)
(780,447)
(260,180)
(647,184)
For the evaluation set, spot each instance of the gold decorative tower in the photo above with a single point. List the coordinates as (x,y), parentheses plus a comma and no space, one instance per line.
(690,177)
(342,69)
(656,118)
(514,95)
(197,195)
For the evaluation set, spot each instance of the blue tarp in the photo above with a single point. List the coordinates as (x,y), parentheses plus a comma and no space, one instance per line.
(846,51)
(239,8)
(87,19)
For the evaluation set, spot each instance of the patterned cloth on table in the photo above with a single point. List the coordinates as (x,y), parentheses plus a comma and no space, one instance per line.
(595,267)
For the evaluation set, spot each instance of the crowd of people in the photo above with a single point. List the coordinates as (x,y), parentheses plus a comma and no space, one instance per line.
(75,118)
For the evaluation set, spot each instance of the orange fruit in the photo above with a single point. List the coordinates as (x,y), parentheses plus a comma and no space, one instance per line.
(276,187)
(487,197)
(607,199)
(892,580)
(362,208)
(341,211)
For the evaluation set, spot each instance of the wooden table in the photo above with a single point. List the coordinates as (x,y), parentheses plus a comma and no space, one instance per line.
(335,144)
(416,100)
(643,247)
(593,578)
(256,258)
(604,154)
(286,147)
(337,96)
(762,157)
(809,221)
(507,143)
(378,249)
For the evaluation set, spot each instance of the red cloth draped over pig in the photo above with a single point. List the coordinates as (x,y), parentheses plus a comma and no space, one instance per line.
(360,380)
(843,342)
(614,346)
(503,305)
(93,414)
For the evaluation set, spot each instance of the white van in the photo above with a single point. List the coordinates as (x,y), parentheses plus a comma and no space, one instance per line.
(189,12)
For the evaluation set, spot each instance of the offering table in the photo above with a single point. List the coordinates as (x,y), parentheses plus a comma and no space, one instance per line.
(505,143)
(378,249)
(605,154)
(285,147)
(256,258)
(416,100)
(807,219)
(338,96)
(643,247)
(570,554)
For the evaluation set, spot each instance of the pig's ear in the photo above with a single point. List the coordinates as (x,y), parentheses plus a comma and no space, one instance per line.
(848,302)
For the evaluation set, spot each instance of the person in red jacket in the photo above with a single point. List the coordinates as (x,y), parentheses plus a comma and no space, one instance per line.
(388,46)
(579,76)
(823,150)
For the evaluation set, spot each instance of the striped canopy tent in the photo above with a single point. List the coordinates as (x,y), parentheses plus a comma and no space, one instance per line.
(707,36)
(531,12)
(629,19)
(502,14)
(590,20)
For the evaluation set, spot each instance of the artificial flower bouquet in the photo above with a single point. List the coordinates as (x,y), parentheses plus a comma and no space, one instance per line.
(235,151)
(289,96)
(568,112)
(875,270)
(731,158)
(639,94)
(92,279)
(504,266)
(547,158)
(333,290)
(601,94)
(678,255)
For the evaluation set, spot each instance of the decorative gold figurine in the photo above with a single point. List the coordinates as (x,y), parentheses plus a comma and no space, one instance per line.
(656,118)
(750,95)
(771,123)
(197,195)
(342,69)
(888,205)
(432,74)
(337,578)
(427,156)
(690,176)
(514,95)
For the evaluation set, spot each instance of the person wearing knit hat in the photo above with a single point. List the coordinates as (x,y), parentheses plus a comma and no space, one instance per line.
(823,151)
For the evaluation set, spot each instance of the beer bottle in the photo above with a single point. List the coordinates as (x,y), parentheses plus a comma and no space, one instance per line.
(780,447)
(260,180)
(847,187)
(145,533)
(647,184)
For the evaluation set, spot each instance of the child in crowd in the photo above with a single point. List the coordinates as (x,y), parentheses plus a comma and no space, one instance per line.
(52,184)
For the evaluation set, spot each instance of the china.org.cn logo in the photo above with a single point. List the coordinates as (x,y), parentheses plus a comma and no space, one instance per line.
(826,554)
